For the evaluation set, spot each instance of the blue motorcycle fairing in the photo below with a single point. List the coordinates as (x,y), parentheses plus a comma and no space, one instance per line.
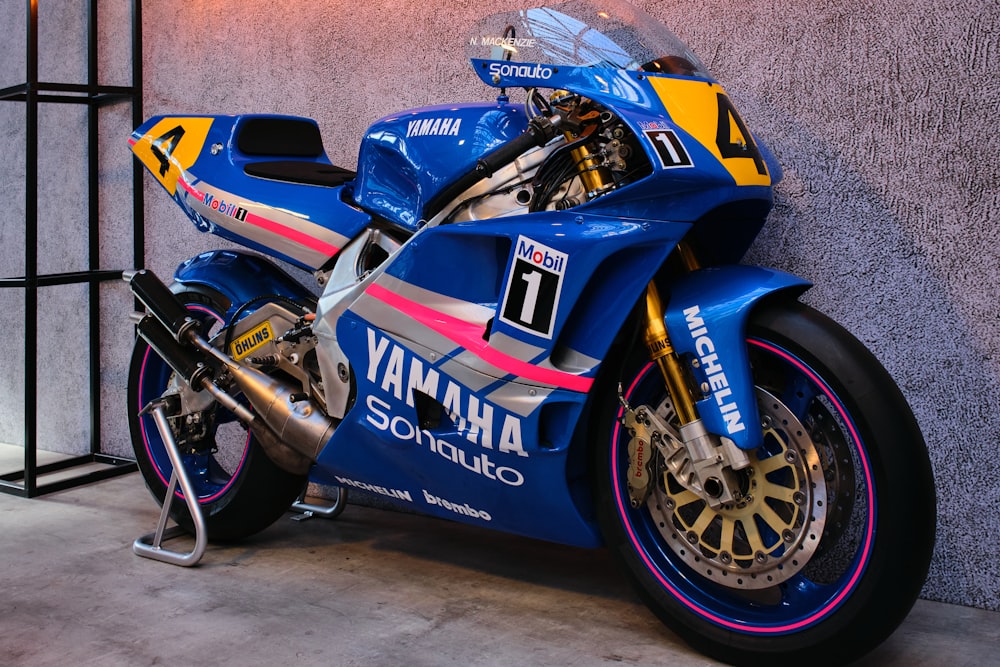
(681,191)
(510,476)
(240,277)
(706,318)
(407,158)
(592,270)
(456,401)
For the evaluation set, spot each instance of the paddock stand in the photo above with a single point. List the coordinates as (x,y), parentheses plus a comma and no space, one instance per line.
(151,545)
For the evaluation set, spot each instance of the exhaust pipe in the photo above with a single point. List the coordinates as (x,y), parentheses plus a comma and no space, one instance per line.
(292,432)
(161,303)
(293,420)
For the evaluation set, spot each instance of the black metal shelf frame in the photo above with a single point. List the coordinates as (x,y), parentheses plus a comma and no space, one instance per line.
(94,96)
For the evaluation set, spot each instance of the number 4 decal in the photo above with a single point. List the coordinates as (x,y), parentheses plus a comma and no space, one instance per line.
(704,114)
(164,145)
(730,123)
(171,146)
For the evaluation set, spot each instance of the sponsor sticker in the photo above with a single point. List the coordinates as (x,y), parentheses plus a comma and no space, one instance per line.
(531,297)
(670,149)
(252,340)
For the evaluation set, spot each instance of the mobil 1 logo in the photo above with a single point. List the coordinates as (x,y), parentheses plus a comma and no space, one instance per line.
(531,298)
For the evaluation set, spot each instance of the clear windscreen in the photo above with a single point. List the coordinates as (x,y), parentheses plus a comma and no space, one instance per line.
(603,34)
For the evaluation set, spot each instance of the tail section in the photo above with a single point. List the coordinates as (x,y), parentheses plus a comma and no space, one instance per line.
(262,181)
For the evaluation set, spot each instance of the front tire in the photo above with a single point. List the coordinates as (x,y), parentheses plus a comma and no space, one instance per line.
(240,490)
(830,549)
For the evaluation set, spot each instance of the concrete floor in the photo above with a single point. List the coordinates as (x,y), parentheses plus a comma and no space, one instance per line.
(370,588)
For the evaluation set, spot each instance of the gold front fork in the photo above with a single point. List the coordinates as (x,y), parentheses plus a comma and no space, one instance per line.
(660,349)
(595,177)
(662,352)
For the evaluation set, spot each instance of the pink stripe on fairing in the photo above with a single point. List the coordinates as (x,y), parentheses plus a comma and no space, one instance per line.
(295,235)
(197,194)
(272,226)
(690,604)
(470,337)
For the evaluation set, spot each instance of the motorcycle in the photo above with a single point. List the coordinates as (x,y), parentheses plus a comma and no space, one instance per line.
(530,316)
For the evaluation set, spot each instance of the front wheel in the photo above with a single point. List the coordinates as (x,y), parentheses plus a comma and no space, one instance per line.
(829,547)
(240,490)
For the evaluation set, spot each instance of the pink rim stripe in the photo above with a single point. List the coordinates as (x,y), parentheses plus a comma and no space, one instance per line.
(869,529)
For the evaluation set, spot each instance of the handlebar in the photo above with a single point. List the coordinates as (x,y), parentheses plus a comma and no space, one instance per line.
(540,131)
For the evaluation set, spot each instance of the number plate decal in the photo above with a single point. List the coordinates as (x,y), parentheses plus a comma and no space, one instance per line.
(705,112)
(534,283)
(670,149)
(171,147)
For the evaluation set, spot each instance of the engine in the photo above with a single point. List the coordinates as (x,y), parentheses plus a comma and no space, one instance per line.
(408,158)
(596,154)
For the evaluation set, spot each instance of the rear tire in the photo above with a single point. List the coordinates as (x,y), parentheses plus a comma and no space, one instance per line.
(831,550)
(240,490)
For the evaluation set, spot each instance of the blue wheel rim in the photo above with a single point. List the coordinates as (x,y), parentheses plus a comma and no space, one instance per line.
(208,475)
(802,602)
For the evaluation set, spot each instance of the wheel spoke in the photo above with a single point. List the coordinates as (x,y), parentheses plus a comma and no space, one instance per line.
(771,518)
(704,521)
(754,537)
(771,464)
(799,592)
(686,497)
(779,492)
(728,533)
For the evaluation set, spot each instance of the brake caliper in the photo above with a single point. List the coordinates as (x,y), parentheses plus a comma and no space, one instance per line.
(702,463)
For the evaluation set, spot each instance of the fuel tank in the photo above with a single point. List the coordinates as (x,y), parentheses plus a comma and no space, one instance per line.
(406,158)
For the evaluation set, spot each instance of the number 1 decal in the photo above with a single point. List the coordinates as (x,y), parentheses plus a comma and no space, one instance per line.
(670,149)
(534,283)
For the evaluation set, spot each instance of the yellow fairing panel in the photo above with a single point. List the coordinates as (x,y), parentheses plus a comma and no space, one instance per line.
(704,111)
(172,146)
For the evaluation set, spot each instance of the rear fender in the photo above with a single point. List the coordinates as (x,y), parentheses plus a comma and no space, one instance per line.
(706,319)
(240,277)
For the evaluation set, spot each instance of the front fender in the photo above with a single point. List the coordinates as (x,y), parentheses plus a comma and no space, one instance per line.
(706,318)
(240,277)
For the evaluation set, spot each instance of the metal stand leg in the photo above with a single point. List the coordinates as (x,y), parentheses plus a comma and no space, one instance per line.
(308,510)
(150,546)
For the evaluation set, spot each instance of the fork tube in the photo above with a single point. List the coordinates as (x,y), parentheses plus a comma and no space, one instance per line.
(662,352)
(594,176)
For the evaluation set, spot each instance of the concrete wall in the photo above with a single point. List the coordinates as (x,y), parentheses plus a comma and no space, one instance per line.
(883,115)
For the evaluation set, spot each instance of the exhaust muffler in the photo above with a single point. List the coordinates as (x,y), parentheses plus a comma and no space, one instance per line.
(291,428)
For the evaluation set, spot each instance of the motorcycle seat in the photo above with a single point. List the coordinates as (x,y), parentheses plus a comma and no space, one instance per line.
(300,171)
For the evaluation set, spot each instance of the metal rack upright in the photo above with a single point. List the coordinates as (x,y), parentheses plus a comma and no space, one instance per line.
(32,93)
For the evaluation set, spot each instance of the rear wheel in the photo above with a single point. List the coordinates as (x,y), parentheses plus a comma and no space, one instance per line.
(829,548)
(240,490)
